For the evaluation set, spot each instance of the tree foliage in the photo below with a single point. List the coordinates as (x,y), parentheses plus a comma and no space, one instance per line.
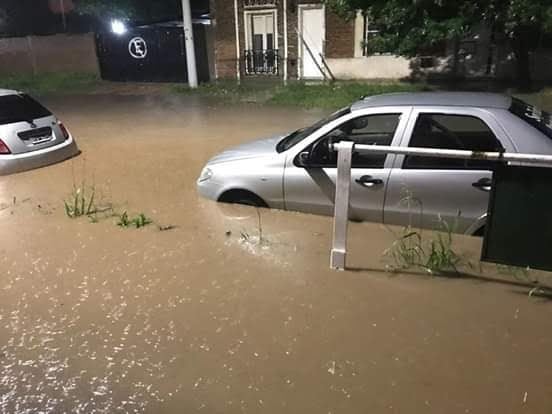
(406,26)
(107,8)
(129,9)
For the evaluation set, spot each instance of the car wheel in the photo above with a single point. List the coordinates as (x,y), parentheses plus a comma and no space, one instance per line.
(242,197)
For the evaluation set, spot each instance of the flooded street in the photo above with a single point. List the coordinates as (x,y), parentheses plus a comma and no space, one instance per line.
(228,311)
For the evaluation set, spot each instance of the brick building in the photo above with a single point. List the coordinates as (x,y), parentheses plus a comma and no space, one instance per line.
(303,39)
(292,39)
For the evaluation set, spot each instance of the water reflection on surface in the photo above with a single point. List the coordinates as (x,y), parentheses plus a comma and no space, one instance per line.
(234,310)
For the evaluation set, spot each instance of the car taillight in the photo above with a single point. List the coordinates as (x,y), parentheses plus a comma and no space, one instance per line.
(4,148)
(64,131)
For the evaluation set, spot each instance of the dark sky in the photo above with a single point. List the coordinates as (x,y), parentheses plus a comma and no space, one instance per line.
(24,17)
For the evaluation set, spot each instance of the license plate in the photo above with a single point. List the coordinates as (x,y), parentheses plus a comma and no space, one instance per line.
(40,140)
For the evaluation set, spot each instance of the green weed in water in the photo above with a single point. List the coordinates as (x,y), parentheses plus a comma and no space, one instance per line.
(141,220)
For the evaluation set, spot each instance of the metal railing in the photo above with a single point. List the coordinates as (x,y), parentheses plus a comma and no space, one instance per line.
(345,150)
(261,3)
(261,62)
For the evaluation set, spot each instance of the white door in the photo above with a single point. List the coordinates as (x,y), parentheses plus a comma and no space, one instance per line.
(311,41)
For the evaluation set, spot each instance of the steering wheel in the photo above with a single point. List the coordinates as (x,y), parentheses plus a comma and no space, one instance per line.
(320,152)
(323,151)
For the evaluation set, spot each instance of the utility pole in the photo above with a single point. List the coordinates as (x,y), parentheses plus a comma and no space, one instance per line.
(63,18)
(189,43)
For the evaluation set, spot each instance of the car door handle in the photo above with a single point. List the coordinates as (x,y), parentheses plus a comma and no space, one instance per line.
(368,181)
(483,184)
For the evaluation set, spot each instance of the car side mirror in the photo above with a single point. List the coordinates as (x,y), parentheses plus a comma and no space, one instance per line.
(304,159)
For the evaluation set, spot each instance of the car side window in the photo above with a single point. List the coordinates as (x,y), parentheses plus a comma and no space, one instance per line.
(370,130)
(458,132)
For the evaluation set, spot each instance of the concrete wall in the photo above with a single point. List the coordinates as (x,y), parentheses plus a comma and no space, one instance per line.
(470,67)
(371,67)
(42,54)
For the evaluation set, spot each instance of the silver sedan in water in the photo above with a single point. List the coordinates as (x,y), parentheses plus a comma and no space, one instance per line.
(298,171)
(30,135)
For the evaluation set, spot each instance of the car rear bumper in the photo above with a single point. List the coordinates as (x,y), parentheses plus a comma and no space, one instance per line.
(14,163)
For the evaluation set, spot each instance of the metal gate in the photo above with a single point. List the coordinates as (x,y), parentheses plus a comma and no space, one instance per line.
(519,223)
(153,53)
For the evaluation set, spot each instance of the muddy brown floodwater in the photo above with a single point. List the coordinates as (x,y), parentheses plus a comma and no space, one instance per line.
(95,318)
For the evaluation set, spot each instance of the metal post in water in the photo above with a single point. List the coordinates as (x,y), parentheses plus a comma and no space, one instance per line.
(189,42)
(343,181)
(341,209)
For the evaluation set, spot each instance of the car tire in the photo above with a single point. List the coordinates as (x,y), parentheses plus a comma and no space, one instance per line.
(242,197)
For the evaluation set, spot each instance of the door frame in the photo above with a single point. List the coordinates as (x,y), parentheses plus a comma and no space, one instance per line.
(300,9)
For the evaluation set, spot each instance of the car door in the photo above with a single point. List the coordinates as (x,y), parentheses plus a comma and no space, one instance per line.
(423,191)
(310,187)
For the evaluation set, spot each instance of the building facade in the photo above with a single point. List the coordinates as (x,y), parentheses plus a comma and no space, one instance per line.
(290,39)
(303,39)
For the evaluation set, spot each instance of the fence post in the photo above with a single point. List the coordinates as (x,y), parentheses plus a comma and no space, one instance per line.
(341,210)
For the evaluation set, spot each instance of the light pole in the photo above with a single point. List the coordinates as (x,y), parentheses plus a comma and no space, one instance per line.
(189,43)
(63,18)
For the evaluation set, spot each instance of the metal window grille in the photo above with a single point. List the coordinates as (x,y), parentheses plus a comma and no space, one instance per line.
(262,62)
(253,3)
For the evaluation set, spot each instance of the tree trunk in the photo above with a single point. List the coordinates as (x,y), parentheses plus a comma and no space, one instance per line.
(521,48)
(456,61)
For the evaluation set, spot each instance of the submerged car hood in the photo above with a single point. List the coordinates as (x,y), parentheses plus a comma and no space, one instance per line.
(259,148)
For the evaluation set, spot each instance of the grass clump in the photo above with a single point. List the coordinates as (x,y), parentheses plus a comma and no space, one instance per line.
(435,256)
(81,202)
(141,220)
(336,95)
(411,250)
(308,95)
(46,83)
(232,91)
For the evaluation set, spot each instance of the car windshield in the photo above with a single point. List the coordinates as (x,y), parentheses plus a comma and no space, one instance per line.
(20,107)
(295,137)
(533,116)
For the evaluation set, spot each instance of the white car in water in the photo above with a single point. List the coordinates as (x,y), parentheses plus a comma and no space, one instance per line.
(30,135)
(298,171)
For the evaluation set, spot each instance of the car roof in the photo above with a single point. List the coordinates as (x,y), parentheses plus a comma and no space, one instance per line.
(4,92)
(463,99)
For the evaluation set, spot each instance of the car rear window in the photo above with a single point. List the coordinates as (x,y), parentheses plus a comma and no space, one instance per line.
(540,120)
(17,108)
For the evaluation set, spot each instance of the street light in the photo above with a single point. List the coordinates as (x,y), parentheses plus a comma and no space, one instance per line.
(118,27)
(189,41)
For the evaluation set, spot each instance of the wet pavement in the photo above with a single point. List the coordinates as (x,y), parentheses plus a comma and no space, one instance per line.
(207,317)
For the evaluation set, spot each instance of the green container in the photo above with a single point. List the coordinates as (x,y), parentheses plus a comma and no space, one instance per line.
(519,226)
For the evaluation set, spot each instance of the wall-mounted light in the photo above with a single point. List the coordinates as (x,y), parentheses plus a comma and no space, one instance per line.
(118,27)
